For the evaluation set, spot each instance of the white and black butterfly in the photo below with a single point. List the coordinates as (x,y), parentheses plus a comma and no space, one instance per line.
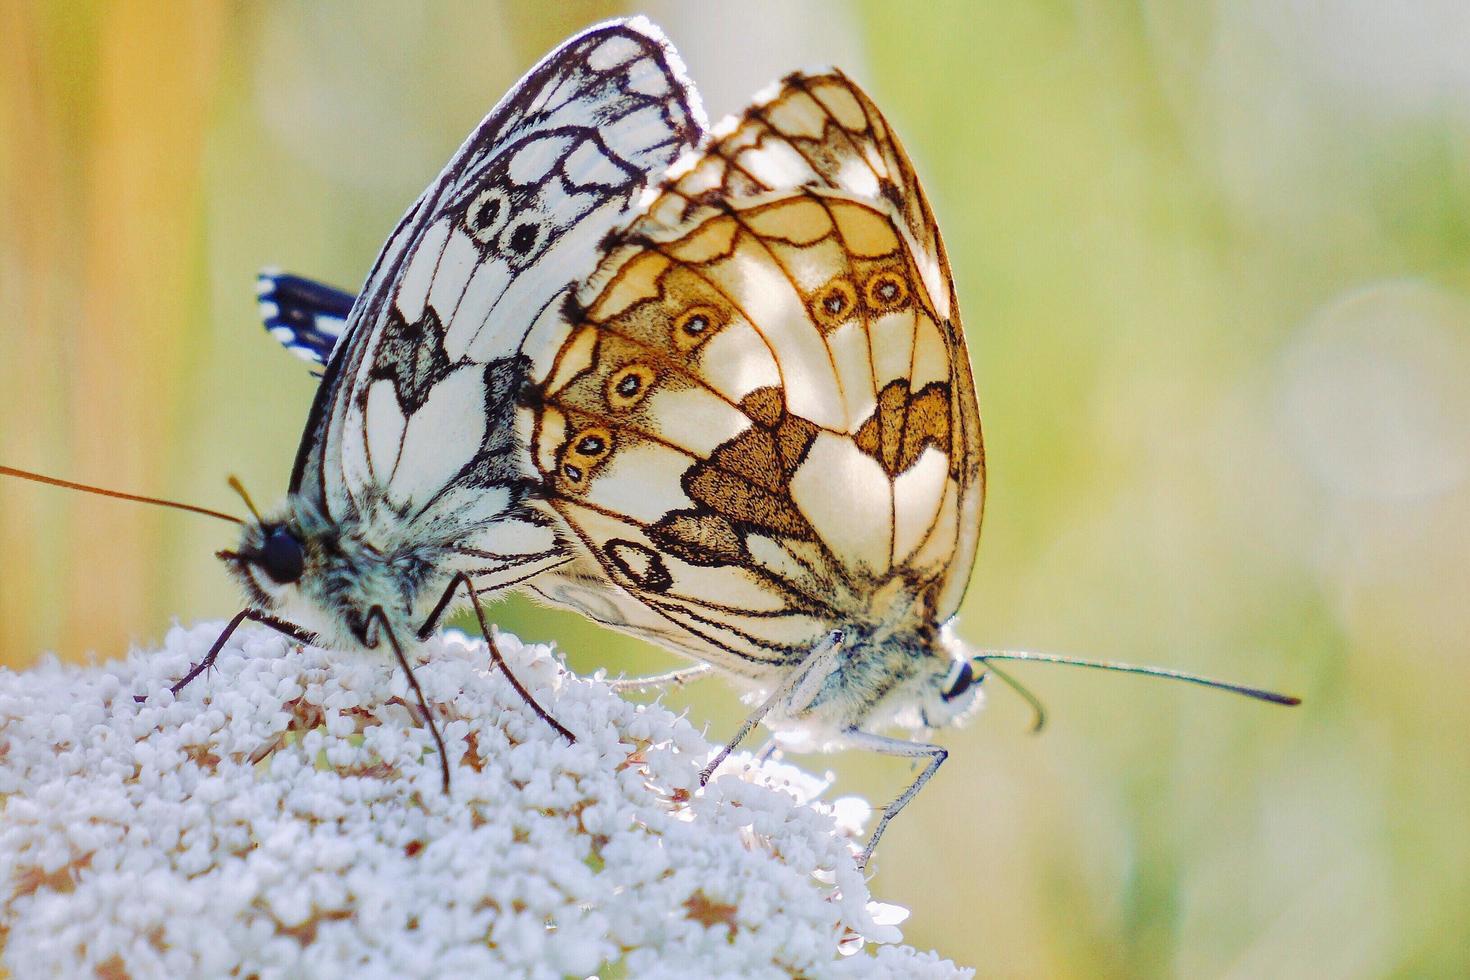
(407,494)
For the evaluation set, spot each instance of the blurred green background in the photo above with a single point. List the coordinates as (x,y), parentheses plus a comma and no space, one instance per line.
(1214,260)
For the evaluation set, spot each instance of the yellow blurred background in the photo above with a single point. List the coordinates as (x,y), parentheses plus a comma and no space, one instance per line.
(1215,265)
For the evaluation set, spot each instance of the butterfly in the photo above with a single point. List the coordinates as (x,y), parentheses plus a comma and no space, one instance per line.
(757,420)
(406,496)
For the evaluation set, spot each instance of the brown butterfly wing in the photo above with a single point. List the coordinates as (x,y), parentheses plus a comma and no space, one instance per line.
(760,418)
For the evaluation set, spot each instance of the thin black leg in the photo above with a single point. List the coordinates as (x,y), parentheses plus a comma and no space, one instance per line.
(463,579)
(279,625)
(208,661)
(413,682)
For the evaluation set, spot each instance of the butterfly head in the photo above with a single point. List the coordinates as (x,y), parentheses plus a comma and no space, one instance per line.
(327,576)
(920,679)
(286,563)
(270,561)
(951,687)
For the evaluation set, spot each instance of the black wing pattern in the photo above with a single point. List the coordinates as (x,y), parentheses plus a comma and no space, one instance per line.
(415,413)
(305,316)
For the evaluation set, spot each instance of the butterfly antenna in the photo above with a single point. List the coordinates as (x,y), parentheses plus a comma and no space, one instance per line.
(1038,710)
(239,488)
(103,492)
(985,657)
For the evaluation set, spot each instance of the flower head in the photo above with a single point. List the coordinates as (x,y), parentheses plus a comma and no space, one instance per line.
(283,815)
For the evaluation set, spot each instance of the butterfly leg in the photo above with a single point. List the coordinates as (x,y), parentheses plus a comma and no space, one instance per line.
(768,752)
(795,692)
(745,728)
(413,682)
(678,678)
(432,621)
(280,626)
(904,749)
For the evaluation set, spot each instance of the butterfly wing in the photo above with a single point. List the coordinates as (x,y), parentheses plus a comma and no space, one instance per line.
(305,316)
(760,417)
(413,412)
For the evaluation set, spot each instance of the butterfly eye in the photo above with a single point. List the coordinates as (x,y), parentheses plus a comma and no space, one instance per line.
(885,291)
(281,557)
(694,326)
(833,304)
(959,683)
(628,385)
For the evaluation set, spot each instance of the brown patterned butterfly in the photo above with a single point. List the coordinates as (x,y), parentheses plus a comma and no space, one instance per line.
(758,421)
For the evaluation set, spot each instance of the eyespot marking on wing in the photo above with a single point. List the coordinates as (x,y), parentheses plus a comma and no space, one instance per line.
(583,453)
(696,325)
(833,304)
(488,214)
(885,292)
(629,385)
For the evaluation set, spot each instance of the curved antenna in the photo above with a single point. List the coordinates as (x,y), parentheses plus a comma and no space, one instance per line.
(985,656)
(103,492)
(1038,710)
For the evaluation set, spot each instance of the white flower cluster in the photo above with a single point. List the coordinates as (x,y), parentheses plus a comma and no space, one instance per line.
(284,817)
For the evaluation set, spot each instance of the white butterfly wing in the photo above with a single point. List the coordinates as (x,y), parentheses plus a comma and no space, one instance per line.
(414,411)
(762,423)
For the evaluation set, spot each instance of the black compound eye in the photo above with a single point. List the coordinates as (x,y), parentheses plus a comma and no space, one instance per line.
(281,557)
(963,678)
